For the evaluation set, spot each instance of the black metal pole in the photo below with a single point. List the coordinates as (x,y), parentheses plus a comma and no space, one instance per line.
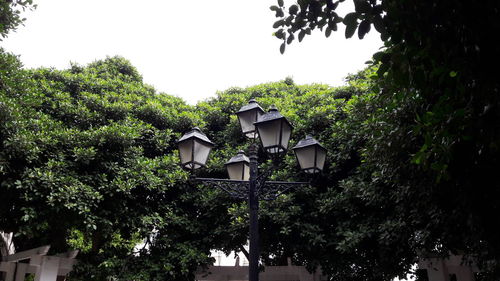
(253,208)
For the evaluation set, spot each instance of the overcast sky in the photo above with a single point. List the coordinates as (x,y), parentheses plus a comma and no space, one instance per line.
(189,49)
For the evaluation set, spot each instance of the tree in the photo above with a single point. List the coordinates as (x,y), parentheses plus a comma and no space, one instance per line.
(97,145)
(87,161)
(10,14)
(434,145)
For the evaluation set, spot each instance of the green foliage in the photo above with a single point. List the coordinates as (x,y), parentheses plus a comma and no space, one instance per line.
(433,142)
(87,160)
(10,15)
(87,155)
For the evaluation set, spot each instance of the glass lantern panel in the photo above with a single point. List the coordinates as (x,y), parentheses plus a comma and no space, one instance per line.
(201,151)
(246,172)
(305,156)
(247,119)
(185,153)
(320,159)
(238,171)
(269,135)
(285,135)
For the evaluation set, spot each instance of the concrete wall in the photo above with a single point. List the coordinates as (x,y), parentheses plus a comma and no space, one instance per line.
(271,273)
(453,268)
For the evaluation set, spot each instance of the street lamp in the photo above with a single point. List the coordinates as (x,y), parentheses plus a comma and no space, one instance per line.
(311,155)
(274,132)
(194,148)
(248,115)
(238,167)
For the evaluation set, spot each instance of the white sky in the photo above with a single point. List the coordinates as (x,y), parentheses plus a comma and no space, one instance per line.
(190,48)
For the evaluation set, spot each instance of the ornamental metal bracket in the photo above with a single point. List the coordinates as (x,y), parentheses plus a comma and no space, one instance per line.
(271,190)
(235,188)
(267,190)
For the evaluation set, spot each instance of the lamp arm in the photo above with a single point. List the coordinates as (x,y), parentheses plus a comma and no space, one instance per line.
(235,188)
(264,176)
(277,164)
(273,189)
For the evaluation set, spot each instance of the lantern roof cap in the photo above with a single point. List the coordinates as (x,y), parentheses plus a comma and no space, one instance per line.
(240,157)
(271,115)
(308,141)
(196,133)
(252,104)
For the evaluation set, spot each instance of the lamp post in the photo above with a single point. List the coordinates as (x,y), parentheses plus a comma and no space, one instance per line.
(274,132)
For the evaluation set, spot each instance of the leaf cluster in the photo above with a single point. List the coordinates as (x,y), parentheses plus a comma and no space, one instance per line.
(434,133)
(10,15)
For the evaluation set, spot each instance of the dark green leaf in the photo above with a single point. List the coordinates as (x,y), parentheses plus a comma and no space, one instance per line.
(362,6)
(279,34)
(364,28)
(378,23)
(350,29)
(293,9)
(302,33)
(328,31)
(278,23)
(274,8)
(378,56)
(350,18)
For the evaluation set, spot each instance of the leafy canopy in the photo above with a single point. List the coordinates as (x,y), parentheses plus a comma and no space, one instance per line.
(435,132)
(87,161)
